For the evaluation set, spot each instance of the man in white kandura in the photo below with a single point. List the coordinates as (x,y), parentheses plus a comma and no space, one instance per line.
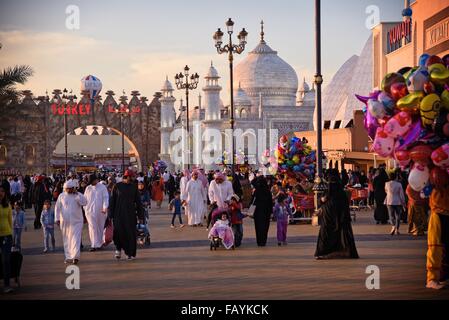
(183,185)
(195,199)
(220,191)
(69,216)
(96,211)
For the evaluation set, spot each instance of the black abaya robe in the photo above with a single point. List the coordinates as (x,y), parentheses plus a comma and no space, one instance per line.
(124,209)
(335,239)
(264,208)
(381,211)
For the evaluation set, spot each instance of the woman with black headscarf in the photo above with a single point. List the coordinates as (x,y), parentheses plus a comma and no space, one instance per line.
(381,211)
(335,239)
(264,207)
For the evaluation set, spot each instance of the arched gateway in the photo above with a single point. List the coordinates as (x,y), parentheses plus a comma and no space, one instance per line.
(30,130)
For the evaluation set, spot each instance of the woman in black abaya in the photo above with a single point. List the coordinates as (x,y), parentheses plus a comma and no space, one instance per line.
(381,211)
(335,239)
(264,207)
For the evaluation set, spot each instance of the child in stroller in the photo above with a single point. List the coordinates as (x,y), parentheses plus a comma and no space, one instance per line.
(221,232)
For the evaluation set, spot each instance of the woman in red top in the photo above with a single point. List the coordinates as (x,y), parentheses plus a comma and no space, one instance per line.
(157,192)
(235,208)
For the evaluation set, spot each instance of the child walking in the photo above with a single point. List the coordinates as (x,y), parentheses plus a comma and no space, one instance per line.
(18,220)
(175,206)
(48,226)
(281,212)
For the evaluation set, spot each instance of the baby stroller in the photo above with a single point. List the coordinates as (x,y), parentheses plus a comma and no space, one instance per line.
(215,240)
(143,233)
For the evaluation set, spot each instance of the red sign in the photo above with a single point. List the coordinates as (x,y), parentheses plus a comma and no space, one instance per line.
(78,109)
(397,33)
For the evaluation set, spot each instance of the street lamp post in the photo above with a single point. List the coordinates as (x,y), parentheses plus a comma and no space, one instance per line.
(187,85)
(123,111)
(231,48)
(319,185)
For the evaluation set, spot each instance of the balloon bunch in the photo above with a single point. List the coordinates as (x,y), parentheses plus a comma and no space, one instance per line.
(159,166)
(224,160)
(290,156)
(409,119)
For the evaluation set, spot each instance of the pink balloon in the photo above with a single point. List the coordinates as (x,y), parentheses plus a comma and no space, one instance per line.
(419,177)
(383,144)
(399,125)
(412,135)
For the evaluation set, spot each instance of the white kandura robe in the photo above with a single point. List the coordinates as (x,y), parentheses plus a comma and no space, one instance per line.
(97,200)
(195,198)
(68,211)
(220,193)
(182,188)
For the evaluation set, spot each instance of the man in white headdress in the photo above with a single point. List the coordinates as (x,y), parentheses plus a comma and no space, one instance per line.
(69,216)
(195,199)
(96,211)
(220,190)
(183,185)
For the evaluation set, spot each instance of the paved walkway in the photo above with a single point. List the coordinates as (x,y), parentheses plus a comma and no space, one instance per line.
(179,265)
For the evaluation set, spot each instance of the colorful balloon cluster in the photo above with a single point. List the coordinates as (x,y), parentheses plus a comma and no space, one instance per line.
(225,158)
(293,156)
(409,119)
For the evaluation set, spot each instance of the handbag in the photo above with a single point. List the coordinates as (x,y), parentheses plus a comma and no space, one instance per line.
(108,232)
(251,210)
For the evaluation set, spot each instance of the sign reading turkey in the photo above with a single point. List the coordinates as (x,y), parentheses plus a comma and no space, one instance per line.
(70,109)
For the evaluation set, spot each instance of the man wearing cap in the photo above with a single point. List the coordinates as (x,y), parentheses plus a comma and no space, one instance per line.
(125,207)
(97,205)
(69,216)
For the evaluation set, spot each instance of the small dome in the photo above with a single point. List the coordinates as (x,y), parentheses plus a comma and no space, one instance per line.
(212,73)
(167,86)
(241,98)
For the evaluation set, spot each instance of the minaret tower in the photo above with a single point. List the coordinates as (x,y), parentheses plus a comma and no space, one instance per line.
(167,121)
(212,94)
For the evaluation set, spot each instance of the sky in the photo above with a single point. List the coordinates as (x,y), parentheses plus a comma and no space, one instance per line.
(135,44)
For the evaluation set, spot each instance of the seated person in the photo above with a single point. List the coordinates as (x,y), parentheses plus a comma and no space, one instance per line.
(222,230)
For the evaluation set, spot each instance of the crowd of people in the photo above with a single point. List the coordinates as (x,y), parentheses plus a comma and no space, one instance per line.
(217,200)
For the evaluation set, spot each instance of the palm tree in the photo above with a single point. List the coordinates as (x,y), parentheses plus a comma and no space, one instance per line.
(9,78)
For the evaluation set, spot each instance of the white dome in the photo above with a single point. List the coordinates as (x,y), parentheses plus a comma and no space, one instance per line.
(212,73)
(167,86)
(241,98)
(263,71)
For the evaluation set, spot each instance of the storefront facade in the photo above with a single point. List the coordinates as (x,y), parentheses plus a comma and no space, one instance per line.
(400,44)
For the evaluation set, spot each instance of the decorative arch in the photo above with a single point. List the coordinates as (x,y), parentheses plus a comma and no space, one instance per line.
(112,131)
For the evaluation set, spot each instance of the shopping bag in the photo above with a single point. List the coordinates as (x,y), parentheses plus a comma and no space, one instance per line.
(315,220)
(108,232)
(251,210)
